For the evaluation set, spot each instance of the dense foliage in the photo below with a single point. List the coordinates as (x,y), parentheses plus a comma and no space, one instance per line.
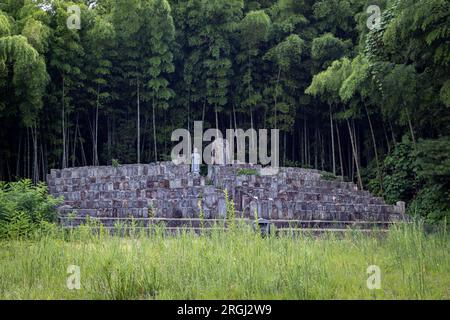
(24,208)
(370,105)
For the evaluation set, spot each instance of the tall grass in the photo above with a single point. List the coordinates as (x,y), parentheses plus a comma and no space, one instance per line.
(233,264)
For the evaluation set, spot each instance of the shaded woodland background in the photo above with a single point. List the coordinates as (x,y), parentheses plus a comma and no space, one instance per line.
(372,106)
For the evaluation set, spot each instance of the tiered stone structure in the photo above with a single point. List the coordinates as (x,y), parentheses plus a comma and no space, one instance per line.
(165,190)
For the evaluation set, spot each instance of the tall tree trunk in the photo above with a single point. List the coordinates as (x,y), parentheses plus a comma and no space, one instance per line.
(265,118)
(355,154)
(144,141)
(251,122)
(217,116)
(83,154)
(138,123)
(109,137)
(308,147)
(411,129)
(46,158)
(155,145)
(68,143)
(276,97)
(35,153)
(293,145)
(322,152)
(249,97)
(8,168)
(203,110)
(234,114)
(305,143)
(74,149)
(113,134)
(189,111)
(302,154)
(350,163)
(388,144)
(64,159)
(96,127)
(316,147)
(164,126)
(92,134)
(19,155)
(44,167)
(392,133)
(355,137)
(374,142)
(332,140)
(340,150)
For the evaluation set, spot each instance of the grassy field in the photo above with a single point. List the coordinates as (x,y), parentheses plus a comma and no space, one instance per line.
(226,265)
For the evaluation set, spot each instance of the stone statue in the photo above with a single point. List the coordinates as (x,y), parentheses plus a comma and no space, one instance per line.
(196,159)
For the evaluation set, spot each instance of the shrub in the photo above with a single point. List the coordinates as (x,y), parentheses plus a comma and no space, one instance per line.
(432,204)
(24,207)
(433,161)
(371,178)
(230,210)
(328,176)
(115,163)
(247,172)
(292,164)
(433,173)
(420,176)
(400,178)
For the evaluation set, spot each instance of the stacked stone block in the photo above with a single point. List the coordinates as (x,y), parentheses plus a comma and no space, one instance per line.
(168,191)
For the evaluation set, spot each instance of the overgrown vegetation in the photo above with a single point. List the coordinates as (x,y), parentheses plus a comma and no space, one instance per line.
(328,176)
(247,172)
(25,208)
(230,211)
(115,163)
(228,264)
(420,175)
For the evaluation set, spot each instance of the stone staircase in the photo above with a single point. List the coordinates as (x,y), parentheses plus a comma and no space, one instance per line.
(148,194)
